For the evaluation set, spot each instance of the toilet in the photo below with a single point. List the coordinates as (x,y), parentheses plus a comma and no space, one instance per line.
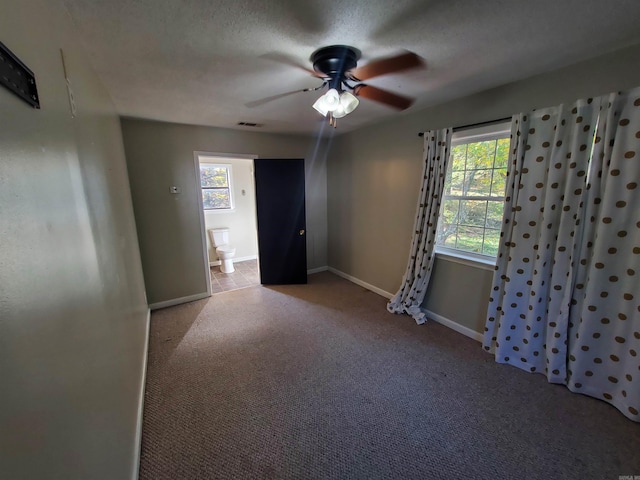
(220,240)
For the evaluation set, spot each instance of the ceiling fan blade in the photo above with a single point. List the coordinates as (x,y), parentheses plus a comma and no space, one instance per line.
(292,62)
(383,96)
(262,101)
(404,61)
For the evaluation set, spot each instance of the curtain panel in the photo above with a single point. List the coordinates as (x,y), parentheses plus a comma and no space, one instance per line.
(409,298)
(604,335)
(565,299)
(545,186)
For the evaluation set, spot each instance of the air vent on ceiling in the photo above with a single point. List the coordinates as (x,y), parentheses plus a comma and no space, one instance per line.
(249,124)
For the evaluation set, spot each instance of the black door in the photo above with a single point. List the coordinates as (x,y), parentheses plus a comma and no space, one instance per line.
(280,208)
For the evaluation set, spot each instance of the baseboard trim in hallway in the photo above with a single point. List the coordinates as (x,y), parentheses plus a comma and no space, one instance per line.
(143,383)
(178,301)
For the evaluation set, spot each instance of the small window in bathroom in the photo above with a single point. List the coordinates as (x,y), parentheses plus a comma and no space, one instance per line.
(215,180)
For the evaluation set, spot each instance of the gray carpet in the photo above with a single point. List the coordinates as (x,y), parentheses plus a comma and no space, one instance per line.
(319,381)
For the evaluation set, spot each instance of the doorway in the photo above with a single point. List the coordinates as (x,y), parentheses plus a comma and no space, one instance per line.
(228,201)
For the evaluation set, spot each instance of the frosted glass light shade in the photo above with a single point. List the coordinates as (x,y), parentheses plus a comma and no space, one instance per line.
(320,106)
(328,102)
(332,99)
(338,104)
(349,102)
(338,112)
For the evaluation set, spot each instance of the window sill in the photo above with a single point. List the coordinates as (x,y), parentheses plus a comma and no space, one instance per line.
(464,259)
(217,212)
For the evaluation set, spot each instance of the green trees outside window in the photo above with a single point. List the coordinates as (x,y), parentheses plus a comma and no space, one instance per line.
(216,187)
(471,213)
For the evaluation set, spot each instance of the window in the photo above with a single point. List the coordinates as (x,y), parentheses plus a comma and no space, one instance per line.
(471,214)
(215,181)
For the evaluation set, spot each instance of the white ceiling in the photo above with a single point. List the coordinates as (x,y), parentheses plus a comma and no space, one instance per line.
(201,61)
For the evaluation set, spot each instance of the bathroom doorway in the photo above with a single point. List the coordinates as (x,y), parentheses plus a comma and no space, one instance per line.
(228,201)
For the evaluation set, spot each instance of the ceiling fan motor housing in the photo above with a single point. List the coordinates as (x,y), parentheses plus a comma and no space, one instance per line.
(334,62)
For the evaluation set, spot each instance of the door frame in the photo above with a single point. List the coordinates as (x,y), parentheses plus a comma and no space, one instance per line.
(203,230)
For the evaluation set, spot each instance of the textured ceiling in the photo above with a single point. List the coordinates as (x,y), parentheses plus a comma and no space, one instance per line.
(202,61)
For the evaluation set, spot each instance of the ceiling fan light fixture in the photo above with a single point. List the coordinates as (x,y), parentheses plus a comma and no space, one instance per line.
(338,105)
(348,102)
(331,99)
(328,102)
(339,112)
(320,106)
(337,67)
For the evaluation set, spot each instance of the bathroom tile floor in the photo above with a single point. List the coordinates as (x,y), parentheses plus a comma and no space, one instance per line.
(246,275)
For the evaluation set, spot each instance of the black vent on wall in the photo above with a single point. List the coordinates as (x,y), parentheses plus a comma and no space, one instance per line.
(249,124)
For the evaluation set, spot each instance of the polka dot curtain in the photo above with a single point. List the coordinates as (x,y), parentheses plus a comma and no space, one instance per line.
(437,144)
(532,283)
(564,299)
(604,332)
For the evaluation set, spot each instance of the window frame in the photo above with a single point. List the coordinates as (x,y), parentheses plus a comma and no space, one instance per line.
(471,135)
(229,168)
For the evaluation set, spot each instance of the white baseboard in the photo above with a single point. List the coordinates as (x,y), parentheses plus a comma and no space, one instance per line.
(357,281)
(317,270)
(235,260)
(138,440)
(178,301)
(467,332)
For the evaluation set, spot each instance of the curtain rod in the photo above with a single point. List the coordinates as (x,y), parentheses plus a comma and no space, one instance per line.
(472,125)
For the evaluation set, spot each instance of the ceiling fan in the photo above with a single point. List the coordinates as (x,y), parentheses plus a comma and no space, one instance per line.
(337,66)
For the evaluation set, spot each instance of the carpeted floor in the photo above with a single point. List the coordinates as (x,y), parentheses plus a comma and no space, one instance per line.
(318,381)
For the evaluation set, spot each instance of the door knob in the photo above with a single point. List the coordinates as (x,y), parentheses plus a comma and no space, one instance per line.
(301,232)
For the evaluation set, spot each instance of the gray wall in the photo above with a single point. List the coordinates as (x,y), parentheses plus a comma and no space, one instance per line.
(373,177)
(73,316)
(160,155)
